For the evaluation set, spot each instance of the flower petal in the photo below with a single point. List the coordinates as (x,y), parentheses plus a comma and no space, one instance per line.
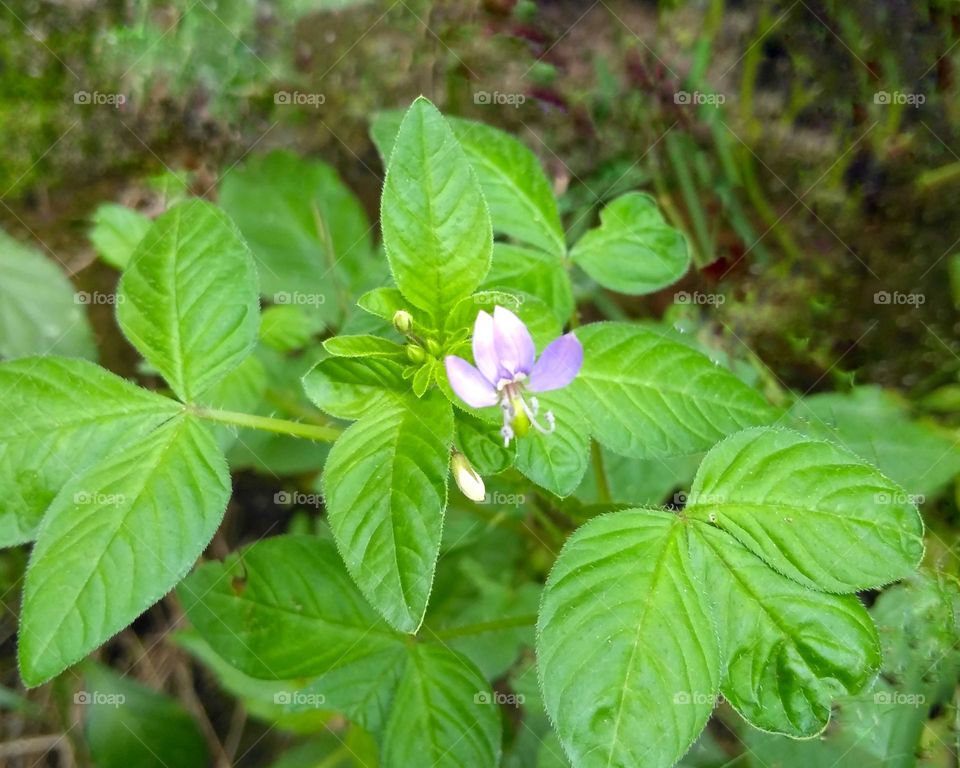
(513,343)
(484,353)
(558,364)
(468,383)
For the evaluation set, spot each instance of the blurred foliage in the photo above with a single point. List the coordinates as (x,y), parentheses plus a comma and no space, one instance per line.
(39,310)
(919,622)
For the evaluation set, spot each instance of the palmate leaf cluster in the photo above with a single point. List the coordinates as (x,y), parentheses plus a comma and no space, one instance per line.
(745,590)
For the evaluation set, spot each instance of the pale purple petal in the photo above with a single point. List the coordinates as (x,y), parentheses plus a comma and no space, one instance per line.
(558,364)
(512,341)
(469,383)
(484,354)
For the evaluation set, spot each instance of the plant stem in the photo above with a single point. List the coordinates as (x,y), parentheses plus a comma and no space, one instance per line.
(269,424)
(603,485)
(549,526)
(291,405)
(937,176)
(510,622)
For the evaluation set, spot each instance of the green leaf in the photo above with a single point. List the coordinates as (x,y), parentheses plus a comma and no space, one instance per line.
(308,232)
(788,651)
(127,723)
(918,621)
(423,377)
(269,700)
(385,485)
(875,424)
(811,509)
(39,312)
(284,608)
(58,416)
(353,748)
(362,690)
(363,346)
(385,303)
(522,205)
(482,443)
(649,397)
(189,298)
(633,250)
(115,540)
(494,651)
(436,226)
(556,461)
(515,268)
(543,324)
(351,387)
(442,714)
(384,128)
(288,327)
(550,753)
(624,632)
(116,232)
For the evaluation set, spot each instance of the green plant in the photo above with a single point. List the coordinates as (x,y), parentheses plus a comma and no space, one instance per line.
(744,588)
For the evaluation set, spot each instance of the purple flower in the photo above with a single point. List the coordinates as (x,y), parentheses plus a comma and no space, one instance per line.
(504,354)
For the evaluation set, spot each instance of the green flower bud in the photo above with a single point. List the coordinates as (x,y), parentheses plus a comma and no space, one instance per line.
(403,321)
(415,353)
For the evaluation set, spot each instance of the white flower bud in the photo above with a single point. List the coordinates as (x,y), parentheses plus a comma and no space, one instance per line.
(468,481)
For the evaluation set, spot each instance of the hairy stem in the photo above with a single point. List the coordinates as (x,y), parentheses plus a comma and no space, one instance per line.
(321,434)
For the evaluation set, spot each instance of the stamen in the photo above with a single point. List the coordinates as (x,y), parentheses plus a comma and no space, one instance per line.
(532,415)
(508,413)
